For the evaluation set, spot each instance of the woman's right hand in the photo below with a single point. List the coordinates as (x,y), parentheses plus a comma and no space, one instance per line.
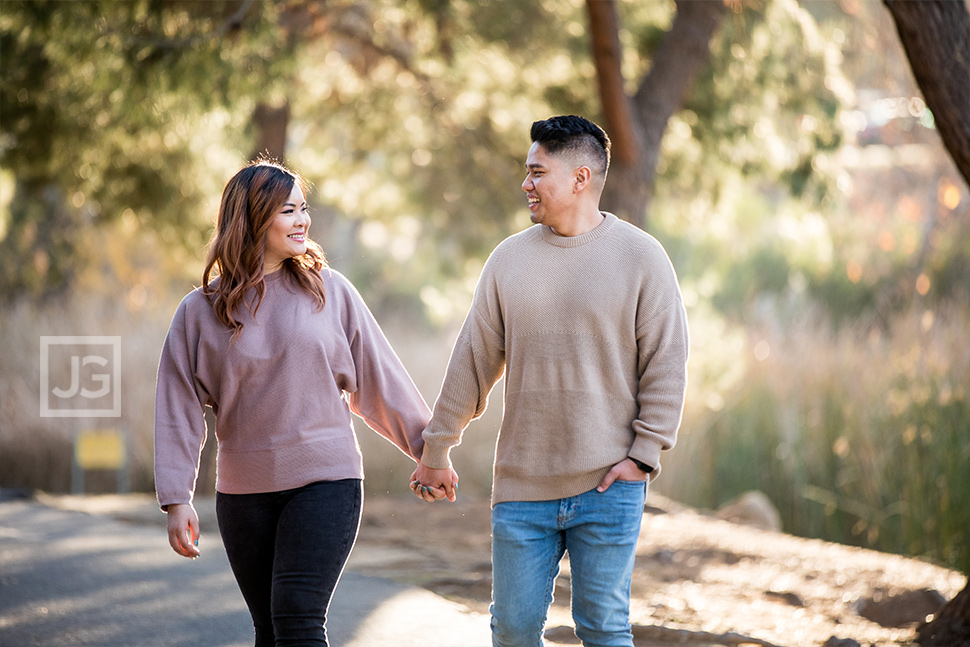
(183,529)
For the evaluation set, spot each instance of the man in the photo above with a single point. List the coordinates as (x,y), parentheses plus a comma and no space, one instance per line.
(584,314)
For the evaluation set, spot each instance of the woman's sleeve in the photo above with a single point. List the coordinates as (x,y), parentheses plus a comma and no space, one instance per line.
(386,397)
(180,428)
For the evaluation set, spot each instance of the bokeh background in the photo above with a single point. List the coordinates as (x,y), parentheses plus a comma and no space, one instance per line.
(789,164)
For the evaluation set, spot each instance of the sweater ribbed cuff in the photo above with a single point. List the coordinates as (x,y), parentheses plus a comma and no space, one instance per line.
(646,451)
(436,457)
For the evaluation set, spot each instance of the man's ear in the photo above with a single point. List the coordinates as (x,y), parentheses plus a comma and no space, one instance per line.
(581,178)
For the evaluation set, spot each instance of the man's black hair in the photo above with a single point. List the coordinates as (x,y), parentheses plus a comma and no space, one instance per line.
(572,135)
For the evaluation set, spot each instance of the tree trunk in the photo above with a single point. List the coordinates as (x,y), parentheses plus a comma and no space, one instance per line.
(607,56)
(637,126)
(627,187)
(680,58)
(936,37)
(271,123)
(950,626)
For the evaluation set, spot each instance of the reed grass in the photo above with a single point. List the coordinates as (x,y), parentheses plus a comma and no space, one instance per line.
(859,435)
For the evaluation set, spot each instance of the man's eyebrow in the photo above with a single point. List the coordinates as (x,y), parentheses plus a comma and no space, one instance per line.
(536,165)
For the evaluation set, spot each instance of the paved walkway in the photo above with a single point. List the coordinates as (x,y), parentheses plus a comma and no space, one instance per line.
(71,578)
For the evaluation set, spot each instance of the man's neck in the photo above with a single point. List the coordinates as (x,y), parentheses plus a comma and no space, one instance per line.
(580,224)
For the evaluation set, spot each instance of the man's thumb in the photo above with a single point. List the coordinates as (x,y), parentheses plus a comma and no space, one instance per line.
(606,482)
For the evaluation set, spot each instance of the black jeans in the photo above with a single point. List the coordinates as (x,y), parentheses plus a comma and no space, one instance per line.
(287,551)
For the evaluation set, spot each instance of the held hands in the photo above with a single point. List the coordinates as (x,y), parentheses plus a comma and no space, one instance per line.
(625,470)
(183,529)
(434,484)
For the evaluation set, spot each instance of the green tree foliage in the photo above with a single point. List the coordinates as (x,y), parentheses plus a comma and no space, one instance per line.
(408,116)
(110,108)
(432,141)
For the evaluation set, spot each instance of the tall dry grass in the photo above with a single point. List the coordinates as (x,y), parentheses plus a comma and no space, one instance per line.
(859,435)
(35,451)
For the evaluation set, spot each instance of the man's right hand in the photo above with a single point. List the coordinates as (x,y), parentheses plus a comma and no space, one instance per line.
(183,529)
(433,484)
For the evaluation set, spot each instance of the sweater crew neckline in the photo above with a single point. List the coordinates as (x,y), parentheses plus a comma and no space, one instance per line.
(595,233)
(274,276)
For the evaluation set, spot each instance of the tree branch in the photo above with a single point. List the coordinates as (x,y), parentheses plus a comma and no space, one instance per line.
(233,22)
(680,58)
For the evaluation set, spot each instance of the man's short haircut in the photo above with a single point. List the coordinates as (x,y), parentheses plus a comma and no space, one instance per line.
(577,138)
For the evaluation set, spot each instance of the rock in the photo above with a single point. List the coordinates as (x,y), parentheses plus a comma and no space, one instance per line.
(841,642)
(752,508)
(562,634)
(902,609)
(787,597)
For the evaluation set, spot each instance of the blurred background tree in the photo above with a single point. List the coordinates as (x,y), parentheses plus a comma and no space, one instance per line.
(781,151)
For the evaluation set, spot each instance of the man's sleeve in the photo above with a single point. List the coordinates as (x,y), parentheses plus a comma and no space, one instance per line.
(477,362)
(663,346)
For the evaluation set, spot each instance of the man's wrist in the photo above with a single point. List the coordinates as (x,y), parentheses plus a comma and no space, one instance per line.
(643,467)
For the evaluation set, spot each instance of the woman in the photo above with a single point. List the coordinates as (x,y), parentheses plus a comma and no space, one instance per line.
(283,349)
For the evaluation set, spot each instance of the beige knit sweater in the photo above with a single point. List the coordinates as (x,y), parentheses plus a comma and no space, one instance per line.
(591,334)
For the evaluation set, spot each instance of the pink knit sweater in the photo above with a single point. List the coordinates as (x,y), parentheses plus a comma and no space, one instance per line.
(282,391)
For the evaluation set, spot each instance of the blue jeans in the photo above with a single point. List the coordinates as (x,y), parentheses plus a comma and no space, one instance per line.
(287,551)
(529,539)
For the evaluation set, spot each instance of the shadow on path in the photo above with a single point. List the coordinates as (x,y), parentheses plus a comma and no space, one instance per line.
(70,578)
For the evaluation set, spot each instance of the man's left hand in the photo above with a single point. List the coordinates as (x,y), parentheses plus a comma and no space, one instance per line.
(434,484)
(625,470)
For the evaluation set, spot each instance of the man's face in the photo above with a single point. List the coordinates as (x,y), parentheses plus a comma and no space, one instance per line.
(548,186)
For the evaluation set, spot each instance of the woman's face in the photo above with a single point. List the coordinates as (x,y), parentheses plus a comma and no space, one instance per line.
(287,235)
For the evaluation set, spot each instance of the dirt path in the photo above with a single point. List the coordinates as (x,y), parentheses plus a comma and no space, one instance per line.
(698,580)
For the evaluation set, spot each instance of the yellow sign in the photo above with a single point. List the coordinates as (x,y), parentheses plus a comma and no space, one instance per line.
(100,449)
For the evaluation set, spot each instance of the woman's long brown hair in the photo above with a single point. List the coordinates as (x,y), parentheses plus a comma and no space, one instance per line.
(250,202)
